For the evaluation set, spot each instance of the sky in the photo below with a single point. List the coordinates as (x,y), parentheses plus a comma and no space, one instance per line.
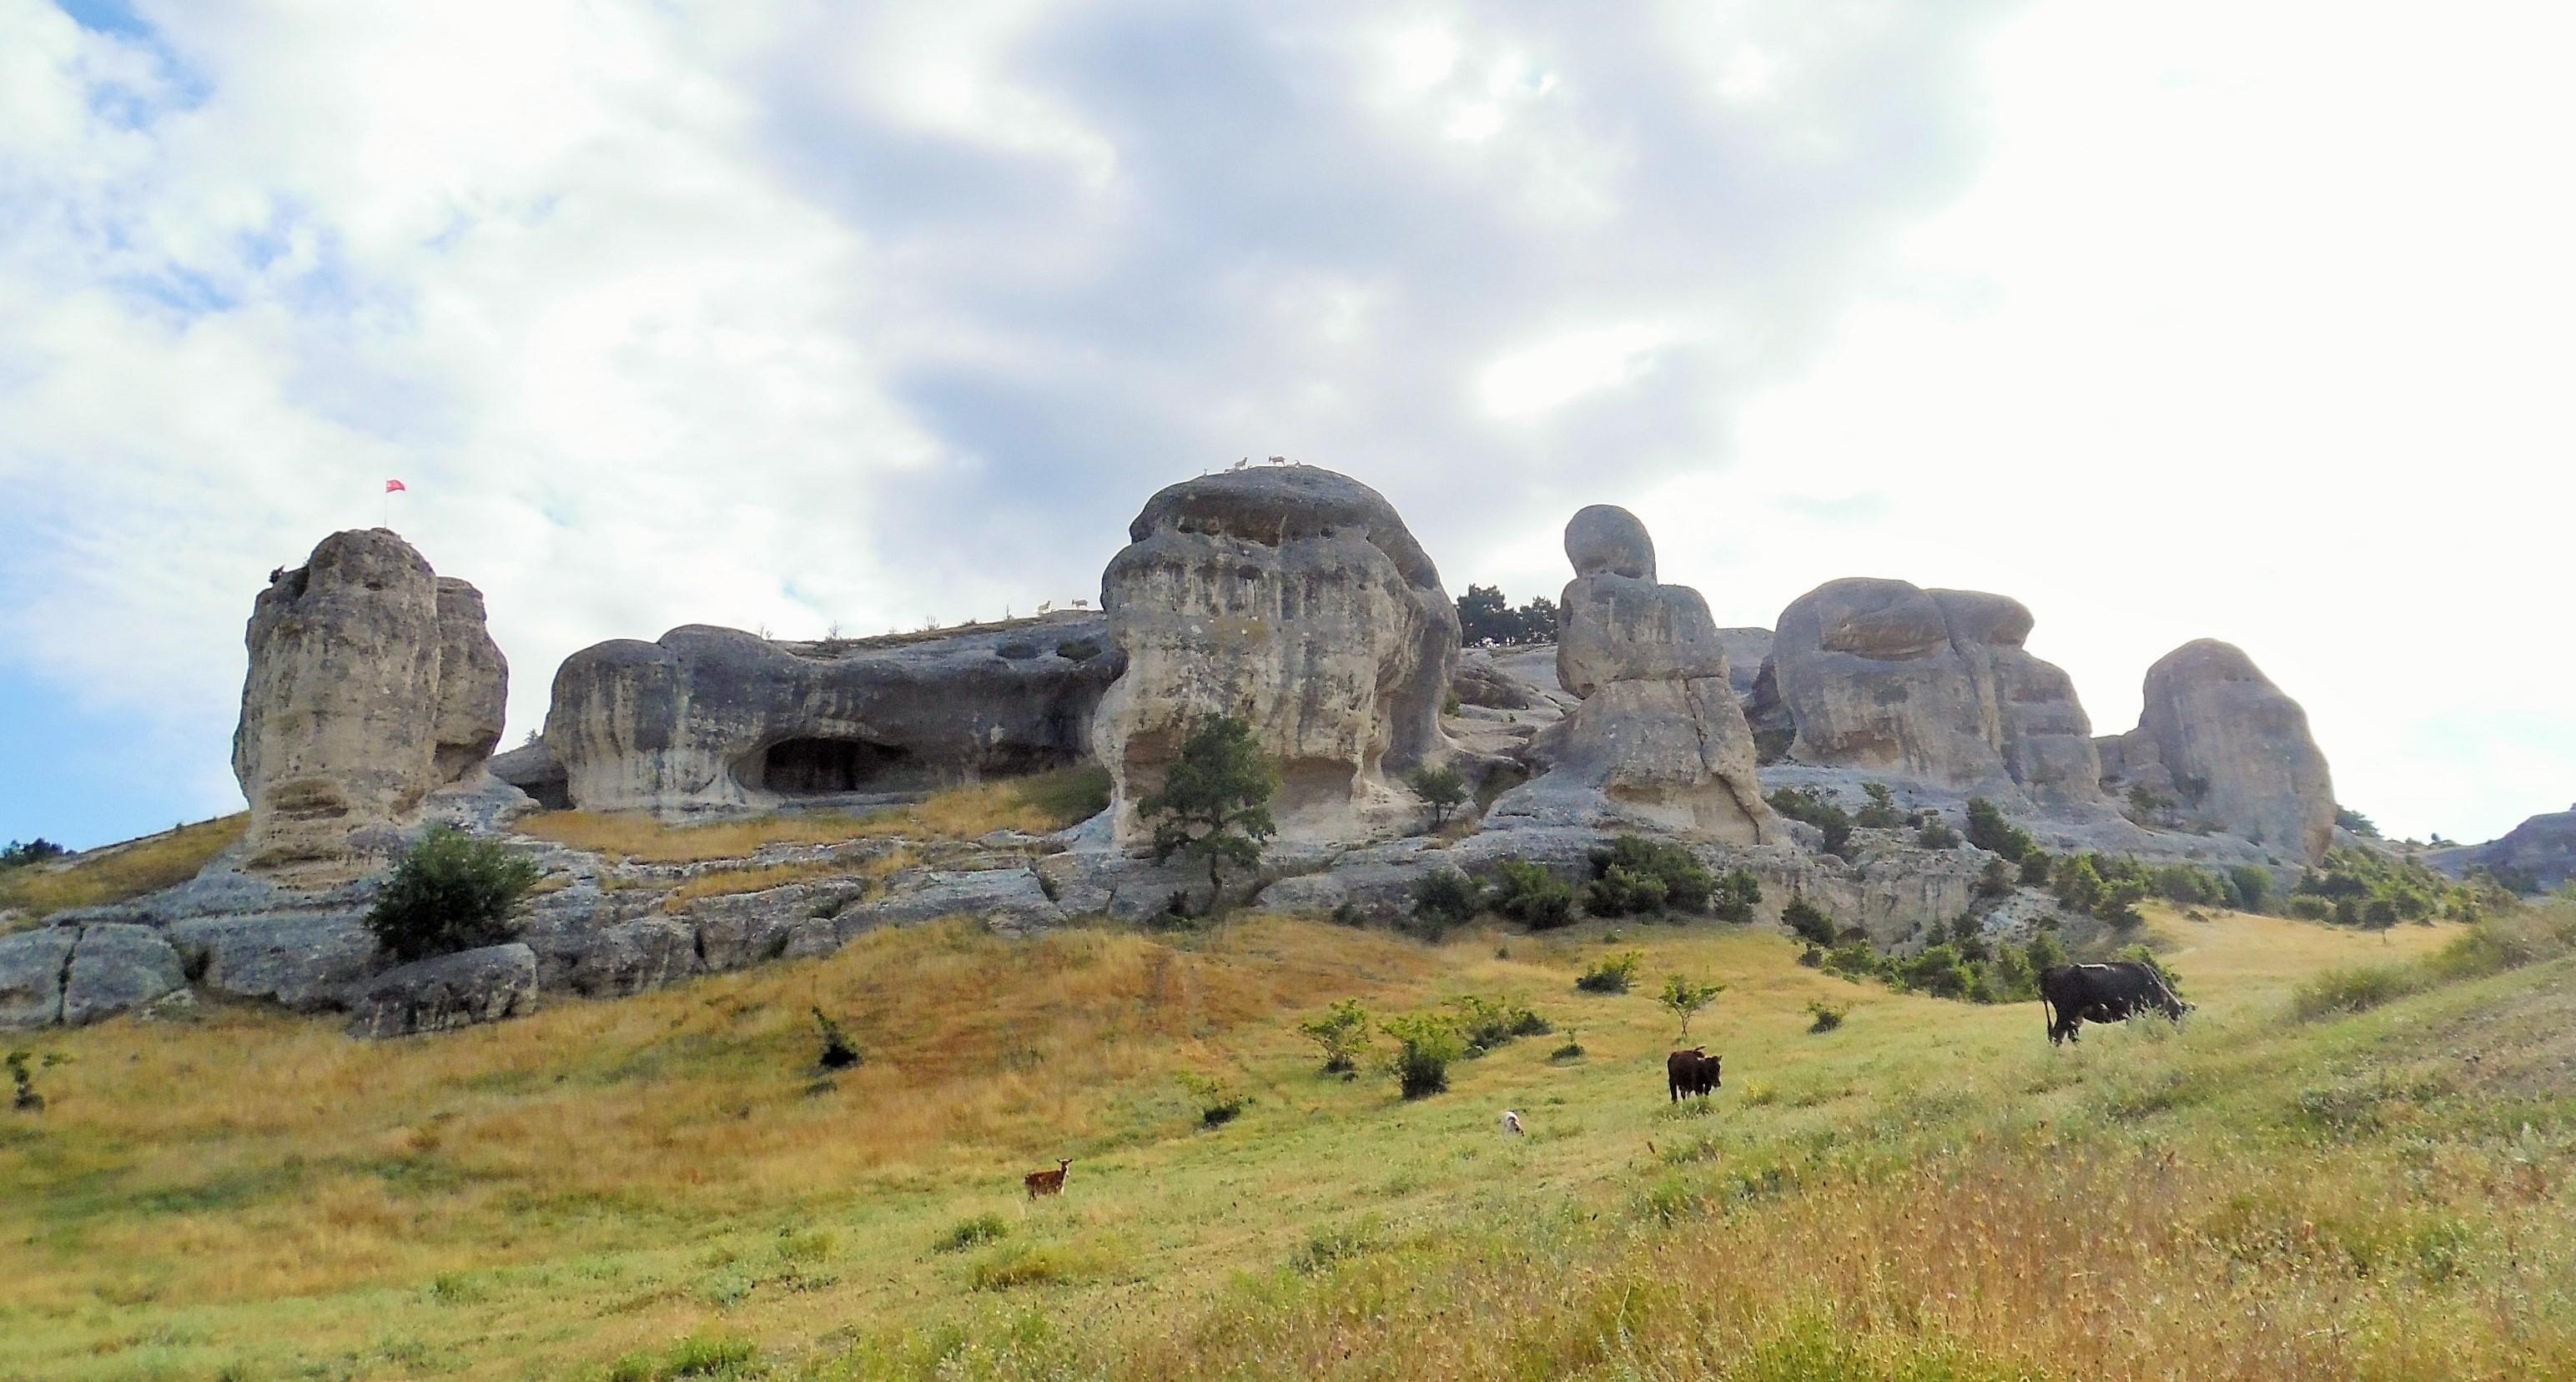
(2244,320)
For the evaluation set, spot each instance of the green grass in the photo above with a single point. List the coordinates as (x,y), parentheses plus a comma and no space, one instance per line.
(646,1187)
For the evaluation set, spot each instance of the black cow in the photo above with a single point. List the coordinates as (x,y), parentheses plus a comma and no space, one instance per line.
(1692,1072)
(2072,995)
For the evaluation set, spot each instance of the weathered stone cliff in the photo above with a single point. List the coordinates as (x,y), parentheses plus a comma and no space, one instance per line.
(713,719)
(372,683)
(1296,599)
(1930,684)
(2234,751)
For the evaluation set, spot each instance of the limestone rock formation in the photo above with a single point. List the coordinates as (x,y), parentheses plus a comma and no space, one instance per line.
(1659,735)
(1294,598)
(2219,737)
(717,719)
(446,992)
(1930,684)
(372,683)
(2540,852)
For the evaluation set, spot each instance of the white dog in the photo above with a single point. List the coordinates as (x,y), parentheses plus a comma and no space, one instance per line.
(1511,1123)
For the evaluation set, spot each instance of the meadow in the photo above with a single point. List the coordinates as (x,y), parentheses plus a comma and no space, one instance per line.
(2318,1175)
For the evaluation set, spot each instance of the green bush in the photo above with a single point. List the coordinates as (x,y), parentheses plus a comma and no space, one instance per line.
(1880,813)
(1633,874)
(1425,1045)
(2249,887)
(1219,1103)
(1937,834)
(1988,830)
(1812,807)
(2036,867)
(972,1232)
(1611,973)
(1936,971)
(1529,894)
(1827,1016)
(839,1052)
(1736,895)
(1446,898)
(1342,1033)
(2353,989)
(1486,1023)
(711,1355)
(1996,880)
(450,892)
(1808,921)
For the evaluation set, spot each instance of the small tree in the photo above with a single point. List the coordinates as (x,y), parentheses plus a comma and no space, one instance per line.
(1988,830)
(451,892)
(1425,1044)
(1611,973)
(1937,834)
(1439,787)
(1444,898)
(839,1052)
(1343,1034)
(1684,998)
(1881,811)
(35,851)
(1215,801)
(26,1100)
(1995,880)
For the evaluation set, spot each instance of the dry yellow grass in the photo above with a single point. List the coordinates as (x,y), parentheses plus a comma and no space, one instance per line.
(1035,804)
(1931,1191)
(726,882)
(119,872)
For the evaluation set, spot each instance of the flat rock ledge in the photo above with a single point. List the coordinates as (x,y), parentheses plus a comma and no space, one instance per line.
(448,992)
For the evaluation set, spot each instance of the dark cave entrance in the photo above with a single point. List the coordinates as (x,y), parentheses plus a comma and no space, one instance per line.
(821,767)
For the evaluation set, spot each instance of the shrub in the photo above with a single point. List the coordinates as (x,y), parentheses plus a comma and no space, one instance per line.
(1936,971)
(1425,1044)
(1937,834)
(1988,830)
(1446,898)
(2035,867)
(1611,973)
(2352,989)
(1622,891)
(1485,1023)
(1343,1034)
(711,1355)
(1735,896)
(2249,887)
(1827,1016)
(1811,806)
(1634,874)
(1326,1247)
(1020,1264)
(1441,788)
(838,1052)
(2356,822)
(1571,1050)
(1219,1103)
(450,892)
(1531,895)
(972,1231)
(1996,880)
(1808,921)
(1880,813)
(2189,884)
(2309,907)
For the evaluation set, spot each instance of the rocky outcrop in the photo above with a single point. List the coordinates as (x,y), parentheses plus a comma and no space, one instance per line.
(2540,853)
(1929,684)
(302,960)
(372,683)
(31,976)
(116,967)
(2234,752)
(447,992)
(1659,738)
(712,719)
(1296,599)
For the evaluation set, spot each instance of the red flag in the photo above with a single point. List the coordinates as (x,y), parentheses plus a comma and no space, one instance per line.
(395,487)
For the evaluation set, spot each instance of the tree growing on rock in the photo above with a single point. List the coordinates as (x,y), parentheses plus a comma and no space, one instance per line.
(1441,788)
(1215,801)
(451,892)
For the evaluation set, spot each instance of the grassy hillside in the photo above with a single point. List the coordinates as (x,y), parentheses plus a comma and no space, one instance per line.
(116,872)
(663,1186)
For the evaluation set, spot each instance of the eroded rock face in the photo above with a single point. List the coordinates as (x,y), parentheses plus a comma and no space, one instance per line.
(1294,598)
(2235,752)
(1931,684)
(447,992)
(2540,852)
(717,719)
(1659,737)
(372,683)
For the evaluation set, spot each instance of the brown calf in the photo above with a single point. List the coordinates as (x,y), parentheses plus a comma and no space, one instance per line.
(1047,1182)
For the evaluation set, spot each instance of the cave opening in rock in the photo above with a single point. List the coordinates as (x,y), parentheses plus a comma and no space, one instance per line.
(815,767)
